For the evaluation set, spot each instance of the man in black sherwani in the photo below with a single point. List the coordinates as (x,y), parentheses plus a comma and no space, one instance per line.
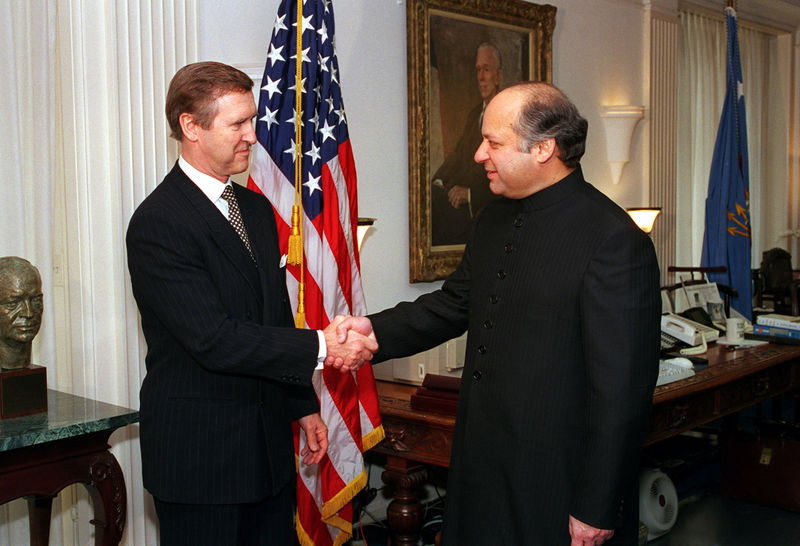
(559,291)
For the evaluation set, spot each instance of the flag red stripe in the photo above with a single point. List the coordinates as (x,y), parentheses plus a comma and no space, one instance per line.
(344,393)
(348,166)
(334,236)
(368,397)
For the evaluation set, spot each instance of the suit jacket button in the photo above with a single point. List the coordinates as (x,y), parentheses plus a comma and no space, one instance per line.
(488,324)
(477,375)
(482,349)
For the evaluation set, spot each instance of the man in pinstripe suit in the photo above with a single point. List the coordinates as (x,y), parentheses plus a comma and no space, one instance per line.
(559,291)
(227,372)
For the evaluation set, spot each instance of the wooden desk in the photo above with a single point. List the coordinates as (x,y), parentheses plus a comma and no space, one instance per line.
(40,454)
(733,380)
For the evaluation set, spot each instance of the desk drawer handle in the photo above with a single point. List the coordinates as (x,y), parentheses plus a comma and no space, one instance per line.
(679,415)
(761,386)
(395,439)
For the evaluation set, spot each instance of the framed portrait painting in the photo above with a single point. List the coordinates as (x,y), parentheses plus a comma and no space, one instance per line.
(460,54)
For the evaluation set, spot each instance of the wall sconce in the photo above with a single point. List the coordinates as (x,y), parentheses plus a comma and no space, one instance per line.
(364,225)
(644,217)
(620,122)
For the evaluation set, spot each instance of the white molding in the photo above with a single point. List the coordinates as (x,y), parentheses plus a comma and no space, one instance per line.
(770,16)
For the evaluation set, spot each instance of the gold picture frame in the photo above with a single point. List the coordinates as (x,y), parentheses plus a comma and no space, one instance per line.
(443,37)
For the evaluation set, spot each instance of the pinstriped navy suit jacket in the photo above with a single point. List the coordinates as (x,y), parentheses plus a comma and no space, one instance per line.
(226,370)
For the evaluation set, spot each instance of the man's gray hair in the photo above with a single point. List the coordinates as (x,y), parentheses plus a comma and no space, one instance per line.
(547,113)
(495,50)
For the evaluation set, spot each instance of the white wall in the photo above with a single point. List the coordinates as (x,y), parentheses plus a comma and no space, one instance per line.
(371,47)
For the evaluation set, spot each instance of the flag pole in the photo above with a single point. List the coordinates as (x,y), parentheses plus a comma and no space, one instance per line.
(295,252)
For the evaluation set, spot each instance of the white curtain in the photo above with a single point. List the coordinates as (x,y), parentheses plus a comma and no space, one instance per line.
(701,92)
(87,140)
(26,178)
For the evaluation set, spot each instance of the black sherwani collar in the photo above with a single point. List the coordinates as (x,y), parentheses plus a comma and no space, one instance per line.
(551,195)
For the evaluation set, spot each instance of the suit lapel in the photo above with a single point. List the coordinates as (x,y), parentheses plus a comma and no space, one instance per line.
(220,230)
(262,233)
(258,231)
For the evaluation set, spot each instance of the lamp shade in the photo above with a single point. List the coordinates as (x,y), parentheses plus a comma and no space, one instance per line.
(644,217)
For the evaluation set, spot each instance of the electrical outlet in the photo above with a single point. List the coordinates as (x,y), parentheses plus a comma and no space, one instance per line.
(421,370)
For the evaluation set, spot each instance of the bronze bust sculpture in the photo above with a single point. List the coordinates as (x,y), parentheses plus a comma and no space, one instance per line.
(20,311)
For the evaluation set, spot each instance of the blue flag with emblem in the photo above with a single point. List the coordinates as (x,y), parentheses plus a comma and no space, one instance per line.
(726,240)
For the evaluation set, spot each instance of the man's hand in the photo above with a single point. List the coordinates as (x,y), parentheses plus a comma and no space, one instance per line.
(350,343)
(458,195)
(362,325)
(584,534)
(316,439)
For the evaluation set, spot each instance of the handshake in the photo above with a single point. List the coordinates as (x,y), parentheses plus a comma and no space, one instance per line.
(351,342)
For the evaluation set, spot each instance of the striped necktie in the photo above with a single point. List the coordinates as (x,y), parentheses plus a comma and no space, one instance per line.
(235,217)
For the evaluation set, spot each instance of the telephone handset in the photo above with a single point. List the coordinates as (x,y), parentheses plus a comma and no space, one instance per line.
(681,333)
(680,329)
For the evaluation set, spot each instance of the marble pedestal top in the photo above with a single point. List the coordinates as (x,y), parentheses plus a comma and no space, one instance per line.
(67,416)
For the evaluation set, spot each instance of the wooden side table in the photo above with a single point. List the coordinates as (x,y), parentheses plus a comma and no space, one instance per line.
(41,454)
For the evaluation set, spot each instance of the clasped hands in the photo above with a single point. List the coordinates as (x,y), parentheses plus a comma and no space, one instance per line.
(351,342)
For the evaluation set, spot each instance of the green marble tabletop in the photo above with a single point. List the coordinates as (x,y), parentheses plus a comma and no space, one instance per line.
(67,416)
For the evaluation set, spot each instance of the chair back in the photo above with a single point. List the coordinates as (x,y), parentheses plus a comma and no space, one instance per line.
(776,269)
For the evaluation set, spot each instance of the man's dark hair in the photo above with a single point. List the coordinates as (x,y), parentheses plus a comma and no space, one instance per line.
(195,88)
(548,113)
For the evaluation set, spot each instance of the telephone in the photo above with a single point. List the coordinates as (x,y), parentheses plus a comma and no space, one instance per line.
(681,329)
(686,330)
(684,335)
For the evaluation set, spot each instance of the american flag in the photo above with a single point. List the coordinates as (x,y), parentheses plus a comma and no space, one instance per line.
(330,269)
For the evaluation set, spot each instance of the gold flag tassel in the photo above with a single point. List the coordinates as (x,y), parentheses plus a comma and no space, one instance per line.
(295,256)
(295,252)
(300,316)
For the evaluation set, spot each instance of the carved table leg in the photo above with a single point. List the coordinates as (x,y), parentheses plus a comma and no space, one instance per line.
(39,509)
(405,511)
(106,486)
